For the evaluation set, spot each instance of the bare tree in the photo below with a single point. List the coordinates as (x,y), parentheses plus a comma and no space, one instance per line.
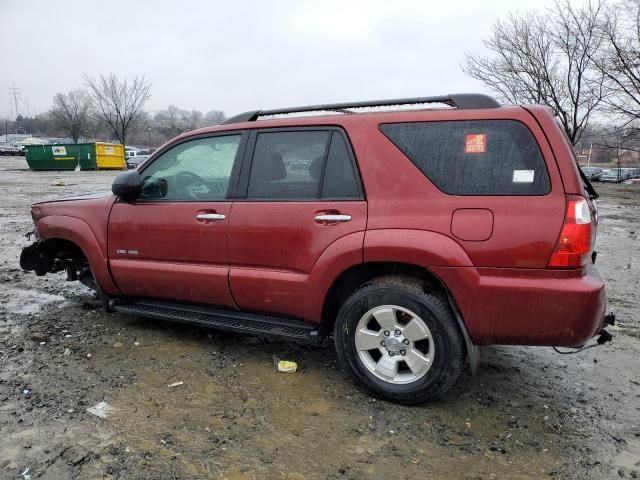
(118,103)
(214,117)
(71,113)
(546,58)
(619,60)
(173,120)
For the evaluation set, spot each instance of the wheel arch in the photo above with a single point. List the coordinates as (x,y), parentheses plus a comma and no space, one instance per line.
(65,230)
(356,275)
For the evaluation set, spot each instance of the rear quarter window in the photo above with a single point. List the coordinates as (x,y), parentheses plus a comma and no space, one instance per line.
(476,157)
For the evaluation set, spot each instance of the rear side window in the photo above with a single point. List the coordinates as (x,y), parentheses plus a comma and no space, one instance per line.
(288,165)
(302,165)
(339,179)
(480,157)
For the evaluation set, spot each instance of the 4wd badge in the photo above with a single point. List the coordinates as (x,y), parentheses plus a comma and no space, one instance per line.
(475,143)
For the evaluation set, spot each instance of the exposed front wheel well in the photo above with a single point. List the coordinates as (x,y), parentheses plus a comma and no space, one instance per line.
(62,248)
(55,255)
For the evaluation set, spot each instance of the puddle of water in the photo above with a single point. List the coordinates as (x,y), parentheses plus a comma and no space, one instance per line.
(27,302)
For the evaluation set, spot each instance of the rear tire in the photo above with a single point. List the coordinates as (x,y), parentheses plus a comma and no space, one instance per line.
(399,341)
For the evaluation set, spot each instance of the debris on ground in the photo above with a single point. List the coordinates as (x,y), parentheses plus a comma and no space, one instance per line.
(286,366)
(100,409)
(176,384)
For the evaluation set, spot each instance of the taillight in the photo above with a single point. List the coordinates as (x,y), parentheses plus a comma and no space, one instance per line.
(575,242)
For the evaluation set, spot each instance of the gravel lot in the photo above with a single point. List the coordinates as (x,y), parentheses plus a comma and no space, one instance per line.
(528,414)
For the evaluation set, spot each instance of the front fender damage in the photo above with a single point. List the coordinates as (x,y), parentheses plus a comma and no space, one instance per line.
(51,256)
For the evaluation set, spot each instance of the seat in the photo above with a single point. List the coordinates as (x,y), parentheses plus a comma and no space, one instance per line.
(265,176)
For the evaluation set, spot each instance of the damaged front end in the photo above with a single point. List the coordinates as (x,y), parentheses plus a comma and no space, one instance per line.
(56,255)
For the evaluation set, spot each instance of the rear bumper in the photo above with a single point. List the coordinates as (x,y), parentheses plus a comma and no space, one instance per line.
(529,307)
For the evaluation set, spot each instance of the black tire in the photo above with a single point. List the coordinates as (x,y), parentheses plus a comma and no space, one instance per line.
(432,308)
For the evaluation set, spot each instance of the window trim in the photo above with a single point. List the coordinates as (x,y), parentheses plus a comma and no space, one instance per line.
(247,163)
(235,169)
(542,156)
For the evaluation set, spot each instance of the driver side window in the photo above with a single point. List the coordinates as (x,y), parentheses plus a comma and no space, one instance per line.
(197,170)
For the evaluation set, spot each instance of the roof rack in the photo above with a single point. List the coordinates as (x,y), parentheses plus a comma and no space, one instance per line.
(459,100)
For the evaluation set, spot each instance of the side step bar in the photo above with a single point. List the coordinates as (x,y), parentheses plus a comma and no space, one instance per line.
(230,320)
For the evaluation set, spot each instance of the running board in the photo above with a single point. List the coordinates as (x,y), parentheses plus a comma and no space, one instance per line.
(230,320)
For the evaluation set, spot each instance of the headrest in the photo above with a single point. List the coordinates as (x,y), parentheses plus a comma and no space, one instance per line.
(271,169)
(315,169)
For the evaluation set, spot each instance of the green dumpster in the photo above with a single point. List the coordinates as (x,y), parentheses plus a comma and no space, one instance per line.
(50,157)
(89,156)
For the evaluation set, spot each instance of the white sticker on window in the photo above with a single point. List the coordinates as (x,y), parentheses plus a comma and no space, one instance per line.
(523,176)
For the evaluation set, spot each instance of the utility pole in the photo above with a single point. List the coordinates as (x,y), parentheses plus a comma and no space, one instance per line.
(14,94)
(6,135)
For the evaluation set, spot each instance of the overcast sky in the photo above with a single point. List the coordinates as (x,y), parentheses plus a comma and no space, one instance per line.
(240,55)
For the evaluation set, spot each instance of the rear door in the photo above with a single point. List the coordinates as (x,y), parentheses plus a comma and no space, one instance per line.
(299,192)
(171,243)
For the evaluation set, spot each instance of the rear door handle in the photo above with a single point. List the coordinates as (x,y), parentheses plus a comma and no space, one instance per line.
(332,218)
(210,216)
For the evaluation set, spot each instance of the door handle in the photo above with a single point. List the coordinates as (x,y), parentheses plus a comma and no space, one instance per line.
(210,216)
(332,218)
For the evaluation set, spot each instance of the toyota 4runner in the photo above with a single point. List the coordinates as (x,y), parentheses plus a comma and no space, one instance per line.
(410,237)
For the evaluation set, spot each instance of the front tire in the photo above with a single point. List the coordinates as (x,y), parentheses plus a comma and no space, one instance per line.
(399,341)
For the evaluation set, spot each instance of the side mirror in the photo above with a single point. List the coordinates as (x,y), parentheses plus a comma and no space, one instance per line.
(127,185)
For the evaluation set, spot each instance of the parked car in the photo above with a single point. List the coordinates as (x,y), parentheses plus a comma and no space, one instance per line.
(407,237)
(135,161)
(592,173)
(9,149)
(617,175)
(632,181)
(134,151)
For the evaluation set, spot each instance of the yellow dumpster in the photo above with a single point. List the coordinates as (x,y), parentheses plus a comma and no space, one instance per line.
(110,156)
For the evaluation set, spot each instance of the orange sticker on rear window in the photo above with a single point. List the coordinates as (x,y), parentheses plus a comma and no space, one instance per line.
(475,143)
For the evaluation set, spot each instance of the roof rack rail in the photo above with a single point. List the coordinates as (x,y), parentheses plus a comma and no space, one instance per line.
(459,100)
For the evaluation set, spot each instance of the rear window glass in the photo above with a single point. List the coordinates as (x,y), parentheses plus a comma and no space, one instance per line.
(483,157)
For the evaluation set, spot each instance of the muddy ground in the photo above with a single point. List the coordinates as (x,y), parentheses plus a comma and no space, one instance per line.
(528,414)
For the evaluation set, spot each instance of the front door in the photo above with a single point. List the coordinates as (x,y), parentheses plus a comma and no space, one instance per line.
(298,195)
(171,242)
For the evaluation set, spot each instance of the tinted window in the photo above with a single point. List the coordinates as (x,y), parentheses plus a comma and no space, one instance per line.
(487,157)
(288,165)
(340,180)
(195,170)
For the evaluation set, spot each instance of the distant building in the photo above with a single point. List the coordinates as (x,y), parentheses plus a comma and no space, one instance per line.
(14,137)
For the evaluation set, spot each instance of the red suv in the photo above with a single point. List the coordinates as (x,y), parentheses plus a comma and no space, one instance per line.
(409,236)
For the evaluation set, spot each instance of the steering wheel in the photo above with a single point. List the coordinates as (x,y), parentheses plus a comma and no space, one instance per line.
(157,189)
(186,179)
